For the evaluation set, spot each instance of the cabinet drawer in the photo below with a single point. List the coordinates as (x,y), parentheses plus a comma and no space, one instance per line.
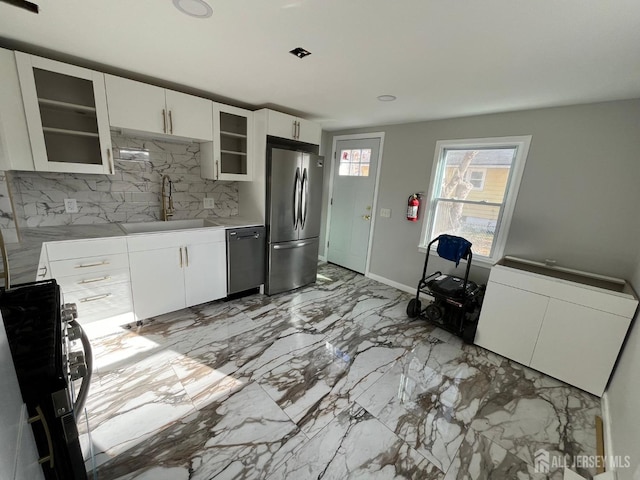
(89,265)
(85,248)
(102,302)
(156,241)
(588,296)
(88,281)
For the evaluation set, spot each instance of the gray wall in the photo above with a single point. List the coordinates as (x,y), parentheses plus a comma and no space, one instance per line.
(577,202)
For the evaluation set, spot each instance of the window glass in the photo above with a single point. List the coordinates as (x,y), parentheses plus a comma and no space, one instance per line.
(354,163)
(473,191)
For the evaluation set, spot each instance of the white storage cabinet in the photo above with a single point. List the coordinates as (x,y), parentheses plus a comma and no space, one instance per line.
(93,274)
(230,156)
(67,119)
(569,325)
(170,271)
(293,128)
(149,109)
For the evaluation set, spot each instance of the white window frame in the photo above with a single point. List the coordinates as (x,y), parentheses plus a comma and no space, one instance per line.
(522,144)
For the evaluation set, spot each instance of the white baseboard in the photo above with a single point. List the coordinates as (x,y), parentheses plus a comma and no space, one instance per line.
(391,283)
(322,258)
(606,420)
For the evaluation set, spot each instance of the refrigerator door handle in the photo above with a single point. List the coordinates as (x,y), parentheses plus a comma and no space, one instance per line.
(296,245)
(304,203)
(296,198)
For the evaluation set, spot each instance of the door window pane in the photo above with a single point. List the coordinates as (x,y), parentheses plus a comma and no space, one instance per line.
(354,163)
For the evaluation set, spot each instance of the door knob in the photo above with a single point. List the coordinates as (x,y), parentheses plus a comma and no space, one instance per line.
(367,217)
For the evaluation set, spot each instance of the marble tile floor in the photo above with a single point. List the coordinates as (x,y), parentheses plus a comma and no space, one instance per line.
(331,381)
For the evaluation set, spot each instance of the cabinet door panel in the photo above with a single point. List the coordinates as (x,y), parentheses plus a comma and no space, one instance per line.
(281,125)
(309,132)
(135,105)
(66,111)
(579,345)
(157,282)
(510,321)
(189,116)
(205,272)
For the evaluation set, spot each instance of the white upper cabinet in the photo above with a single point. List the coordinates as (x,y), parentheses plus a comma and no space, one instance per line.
(230,155)
(153,110)
(293,128)
(15,149)
(66,112)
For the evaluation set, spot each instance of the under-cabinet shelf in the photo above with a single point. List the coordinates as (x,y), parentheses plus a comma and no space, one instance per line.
(232,134)
(233,153)
(76,133)
(66,105)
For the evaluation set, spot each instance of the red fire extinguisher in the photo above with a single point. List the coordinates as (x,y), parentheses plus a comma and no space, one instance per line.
(412,208)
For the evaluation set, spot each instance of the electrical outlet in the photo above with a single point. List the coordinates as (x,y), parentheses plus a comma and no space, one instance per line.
(209,203)
(70,205)
(385,212)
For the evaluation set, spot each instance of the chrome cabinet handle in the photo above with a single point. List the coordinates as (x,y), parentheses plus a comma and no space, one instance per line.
(294,129)
(89,265)
(164,120)
(45,271)
(217,169)
(298,131)
(170,123)
(40,418)
(186,255)
(93,280)
(180,257)
(94,298)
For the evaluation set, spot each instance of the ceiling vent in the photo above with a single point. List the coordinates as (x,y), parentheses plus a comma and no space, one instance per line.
(300,52)
(32,7)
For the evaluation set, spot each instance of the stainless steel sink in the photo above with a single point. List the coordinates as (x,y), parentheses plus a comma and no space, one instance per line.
(159,226)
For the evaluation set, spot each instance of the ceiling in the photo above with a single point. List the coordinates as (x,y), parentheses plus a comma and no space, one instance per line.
(441,58)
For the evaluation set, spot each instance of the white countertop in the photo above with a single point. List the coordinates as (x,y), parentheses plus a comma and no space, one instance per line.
(24,256)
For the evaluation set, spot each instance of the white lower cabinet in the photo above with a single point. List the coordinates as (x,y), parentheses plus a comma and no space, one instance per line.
(572,330)
(516,317)
(176,270)
(157,281)
(93,274)
(579,345)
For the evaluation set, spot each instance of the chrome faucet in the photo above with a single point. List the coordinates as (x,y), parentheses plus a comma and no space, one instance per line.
(167,200)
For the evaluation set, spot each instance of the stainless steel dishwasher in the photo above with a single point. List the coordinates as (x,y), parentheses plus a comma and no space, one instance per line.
(245,258)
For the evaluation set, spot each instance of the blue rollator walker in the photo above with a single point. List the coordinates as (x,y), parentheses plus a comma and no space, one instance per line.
(456,301)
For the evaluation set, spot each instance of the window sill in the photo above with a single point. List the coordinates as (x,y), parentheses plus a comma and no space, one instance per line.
(482,262)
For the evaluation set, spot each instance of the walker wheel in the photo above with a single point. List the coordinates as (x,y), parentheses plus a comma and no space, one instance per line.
(414,308)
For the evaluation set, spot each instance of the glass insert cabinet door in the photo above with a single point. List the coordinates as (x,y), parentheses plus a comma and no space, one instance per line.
(233,132)
(67,117)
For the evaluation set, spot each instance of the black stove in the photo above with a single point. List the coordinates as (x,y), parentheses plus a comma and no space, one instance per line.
(42,331)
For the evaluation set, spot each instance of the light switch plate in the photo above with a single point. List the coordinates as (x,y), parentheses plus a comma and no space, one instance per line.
(209,203)
(70,205)
(385,212)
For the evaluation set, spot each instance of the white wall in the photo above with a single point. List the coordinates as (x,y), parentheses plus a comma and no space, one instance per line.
(577,201)
(623,399)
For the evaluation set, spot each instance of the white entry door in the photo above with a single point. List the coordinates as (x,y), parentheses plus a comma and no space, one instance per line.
(354,180)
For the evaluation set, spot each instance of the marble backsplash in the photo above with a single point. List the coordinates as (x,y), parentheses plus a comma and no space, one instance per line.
(133,194)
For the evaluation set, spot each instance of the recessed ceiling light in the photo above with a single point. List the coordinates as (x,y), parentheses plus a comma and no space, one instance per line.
(300,52)
(387,98)
(194,8)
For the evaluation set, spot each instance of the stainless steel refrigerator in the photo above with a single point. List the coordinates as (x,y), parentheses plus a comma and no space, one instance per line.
(294,196)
